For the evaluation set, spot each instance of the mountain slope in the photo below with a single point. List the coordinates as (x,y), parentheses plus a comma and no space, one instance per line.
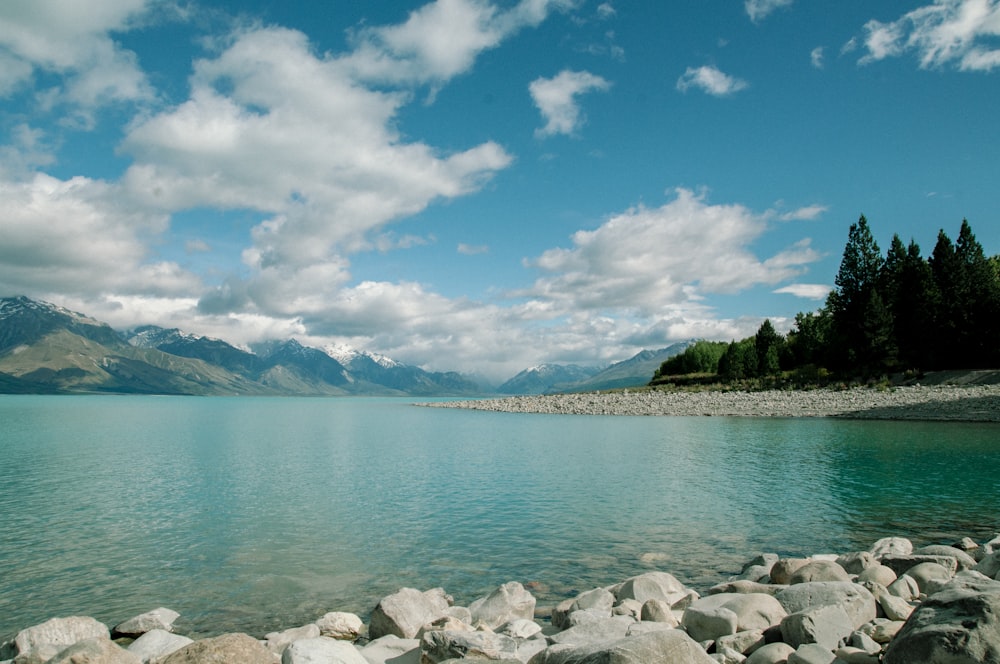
(634,372)
(546,378)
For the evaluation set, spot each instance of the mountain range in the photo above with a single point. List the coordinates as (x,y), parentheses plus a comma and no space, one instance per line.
(47,349)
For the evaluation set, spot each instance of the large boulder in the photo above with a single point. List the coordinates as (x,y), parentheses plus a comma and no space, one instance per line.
(819,570)
(391,648)
(55,635)
(404,612)
(670,645)
(930,577)
(157,643)
(276,642)
(857,602)
(891,546)
(826,625)
(958,625)
(224,649)
(713,616)
(653,585)
(772,653)
(508,602)
(604,629)
(322,650)
(340,625)
(441,645)
(96,650)
(964,560)
(160,618)
(781,571)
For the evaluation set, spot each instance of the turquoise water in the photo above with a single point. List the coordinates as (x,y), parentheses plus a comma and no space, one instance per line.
(256,514)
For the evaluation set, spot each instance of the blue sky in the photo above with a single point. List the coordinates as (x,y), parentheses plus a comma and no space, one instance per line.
(482,185)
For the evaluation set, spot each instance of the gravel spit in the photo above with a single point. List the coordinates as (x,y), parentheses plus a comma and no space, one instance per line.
(979,403)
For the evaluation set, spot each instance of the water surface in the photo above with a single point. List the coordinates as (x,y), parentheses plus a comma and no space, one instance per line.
(256,514)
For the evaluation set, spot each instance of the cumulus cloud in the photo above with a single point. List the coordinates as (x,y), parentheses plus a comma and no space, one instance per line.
(442,39)
(72,39)
(959,33)
(649,260)
(808,291)
(709,79)
(556,98)
(81,235)
(757,10)
(293,135)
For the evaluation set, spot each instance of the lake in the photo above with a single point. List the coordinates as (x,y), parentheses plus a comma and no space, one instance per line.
(257,514)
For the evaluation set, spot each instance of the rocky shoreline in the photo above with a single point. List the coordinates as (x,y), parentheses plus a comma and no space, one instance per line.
(975,403)
(891,603)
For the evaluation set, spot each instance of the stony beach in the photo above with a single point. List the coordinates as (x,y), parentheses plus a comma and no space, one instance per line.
(891,603)
(969,403)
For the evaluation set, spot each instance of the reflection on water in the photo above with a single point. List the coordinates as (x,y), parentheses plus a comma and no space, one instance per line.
(255,514)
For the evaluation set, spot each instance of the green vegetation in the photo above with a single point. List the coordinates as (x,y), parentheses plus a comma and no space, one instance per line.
(892,314)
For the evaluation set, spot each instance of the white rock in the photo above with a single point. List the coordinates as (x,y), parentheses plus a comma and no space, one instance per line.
(322,650)
(157,643)
(340,625)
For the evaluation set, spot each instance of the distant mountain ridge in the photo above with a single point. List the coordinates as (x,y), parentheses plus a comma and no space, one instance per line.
(46,349)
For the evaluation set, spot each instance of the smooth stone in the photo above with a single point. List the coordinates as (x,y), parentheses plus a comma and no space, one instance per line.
(724,655)
(905,587)
(157,643)
(958,624)
(879,574)
(930,577)
(508,602)
(404,612)
(811,653)
(989,565)
(161,618)
(322,650)
(826,625)
(752,611)
(891,546)
(233,647)
(522,628)
(857,562)
(895,608)
(772,653)
(439,646)
(95,650)
(964,560)
(670,645)
(902,564)
(58,634)
(882,630)
(781,571)
(340,625)
(655,610)
(852,655)
(866,643)
(628,607)
(857,602)
(276,642)
(390,649)
(746,587)
(603,630)
(653,585)
(819,570)
(744,642)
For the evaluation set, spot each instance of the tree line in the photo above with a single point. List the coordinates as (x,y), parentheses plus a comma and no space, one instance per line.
(887,314)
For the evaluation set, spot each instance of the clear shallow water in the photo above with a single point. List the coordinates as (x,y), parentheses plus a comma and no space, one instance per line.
(257,514)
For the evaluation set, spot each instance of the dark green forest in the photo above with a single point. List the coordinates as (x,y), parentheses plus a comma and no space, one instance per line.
(887,314)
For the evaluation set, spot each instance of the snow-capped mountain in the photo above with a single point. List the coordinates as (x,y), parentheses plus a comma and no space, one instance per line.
(546,378)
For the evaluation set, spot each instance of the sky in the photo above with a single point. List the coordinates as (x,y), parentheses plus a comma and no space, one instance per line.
(482,185)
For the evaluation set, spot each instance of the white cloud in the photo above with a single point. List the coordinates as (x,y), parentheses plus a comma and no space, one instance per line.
(809,291)
(81,236)
(472,249)
(442,39)
(806,213)
(652,260)
(759,9)
(72,39)
(556,99)
(606,10)
(960,33)
(816,57)
(709,79)
(295,137)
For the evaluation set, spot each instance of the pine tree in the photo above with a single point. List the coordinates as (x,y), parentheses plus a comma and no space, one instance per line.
(980,302)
